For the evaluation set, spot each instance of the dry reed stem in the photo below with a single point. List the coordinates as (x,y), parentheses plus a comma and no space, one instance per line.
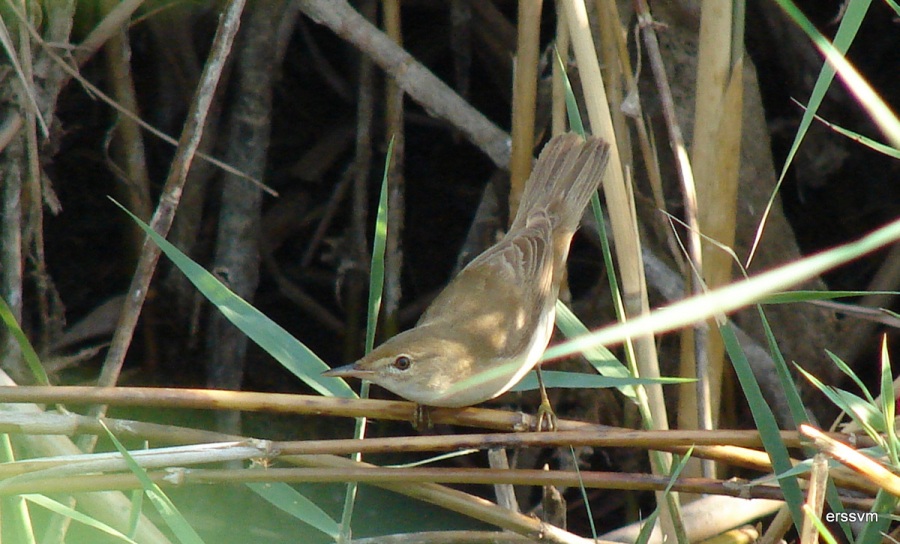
(558,105)
(782,523)
(452,499)
(862,464)
(815,499)
(274,402)
(436,492)
(710,517)
(525,76)
(524,102)
(21,64)
(130,149)
(111,24)
(88,482)
(171,193)
(632,107)
(613,64)
(33,202)
(447,537)
(394,131)
(52,474)
(715,156)
(94,90)
(110,506)
(623,218)
(415,79)
(726,446)
(698,337)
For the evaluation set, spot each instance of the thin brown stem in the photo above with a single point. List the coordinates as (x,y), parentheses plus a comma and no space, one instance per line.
(395,131)
(171,194)
(416,80)
(390,475)
(525,76)
(689,195)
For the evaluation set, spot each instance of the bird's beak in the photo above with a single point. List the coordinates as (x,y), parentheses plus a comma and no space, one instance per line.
(348,371)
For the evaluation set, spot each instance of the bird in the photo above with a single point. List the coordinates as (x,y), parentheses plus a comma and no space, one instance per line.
(490,325)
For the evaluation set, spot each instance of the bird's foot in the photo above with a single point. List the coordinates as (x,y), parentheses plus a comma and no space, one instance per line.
(546,418)
(422,418)
(545,414)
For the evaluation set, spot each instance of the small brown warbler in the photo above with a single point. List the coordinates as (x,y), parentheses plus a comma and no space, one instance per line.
(491,324)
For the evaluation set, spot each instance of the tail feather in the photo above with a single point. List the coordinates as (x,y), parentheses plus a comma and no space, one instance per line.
(565,176)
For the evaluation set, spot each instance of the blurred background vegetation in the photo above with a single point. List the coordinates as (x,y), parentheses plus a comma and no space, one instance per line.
(304,116)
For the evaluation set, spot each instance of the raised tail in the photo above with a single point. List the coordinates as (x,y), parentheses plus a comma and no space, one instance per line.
(565,176)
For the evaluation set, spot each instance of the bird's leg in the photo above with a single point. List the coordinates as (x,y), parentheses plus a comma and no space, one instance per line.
(422,418)
(545,411)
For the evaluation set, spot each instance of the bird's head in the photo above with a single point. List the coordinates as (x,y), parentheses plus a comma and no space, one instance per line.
(425,366)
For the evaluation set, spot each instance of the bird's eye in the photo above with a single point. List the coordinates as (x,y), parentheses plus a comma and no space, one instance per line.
(402,362)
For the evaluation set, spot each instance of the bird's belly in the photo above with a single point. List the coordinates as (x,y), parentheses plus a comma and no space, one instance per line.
(496,376)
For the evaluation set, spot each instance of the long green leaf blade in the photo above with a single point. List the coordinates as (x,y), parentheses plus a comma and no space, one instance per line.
(28,353)
(765,423)
(291,501)
(167,510)
(64,510)
(267,334)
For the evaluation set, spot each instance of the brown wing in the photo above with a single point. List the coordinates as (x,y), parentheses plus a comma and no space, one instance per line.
(499,297)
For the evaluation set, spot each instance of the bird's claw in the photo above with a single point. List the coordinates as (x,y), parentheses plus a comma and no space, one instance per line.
(546,418)
(421,421)
(545,412)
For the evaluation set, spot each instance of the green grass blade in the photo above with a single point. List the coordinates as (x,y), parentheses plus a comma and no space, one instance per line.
(843,367)
(867,414)
(603,360)
(879,112)
(639,396)
(874,145)
(837,506)
(847,30)
(894,5)
(765,422)
(888,404)
(376,290)
(63,510)
(292,502)
(599,357)
(647,528)
(850,22)
(792,395)
(267,334)
(580,380)
(820,527)
(584,494)
(788,297)
(872,532)
(17,518)
(730,297)
(376,270)
(28,353)
(861,411)
(134,516)
(798,411)
(167,510)
(568,323)
(575,123)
